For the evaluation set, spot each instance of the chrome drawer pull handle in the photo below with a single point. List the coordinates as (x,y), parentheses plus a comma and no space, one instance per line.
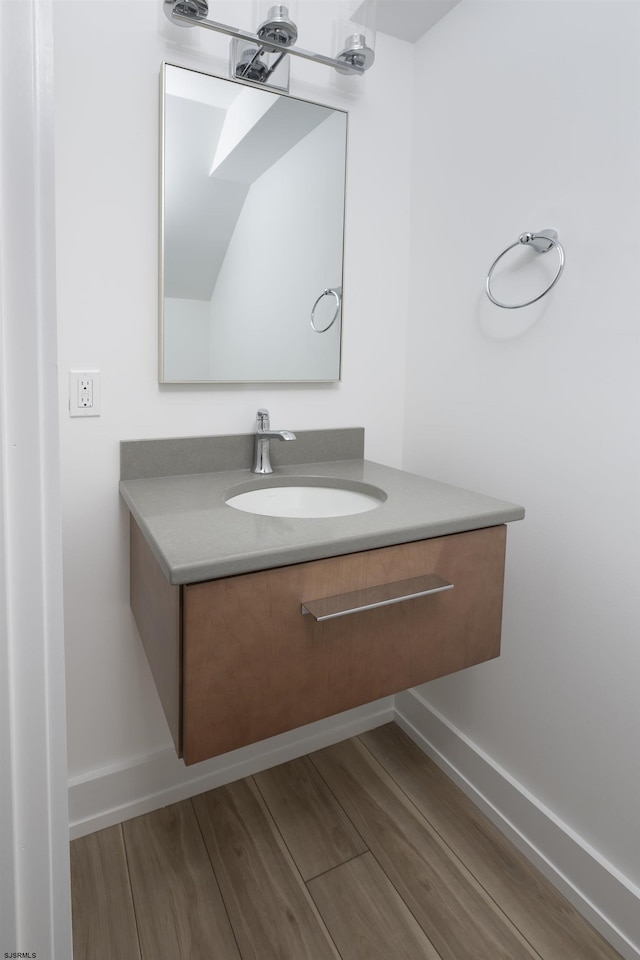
(371,597)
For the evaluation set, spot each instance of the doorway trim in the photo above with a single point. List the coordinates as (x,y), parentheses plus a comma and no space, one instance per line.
(35,912)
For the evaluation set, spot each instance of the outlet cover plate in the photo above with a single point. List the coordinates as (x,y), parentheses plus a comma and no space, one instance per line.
(84,393)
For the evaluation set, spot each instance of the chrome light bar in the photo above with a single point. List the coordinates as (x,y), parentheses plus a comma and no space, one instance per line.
(276,36)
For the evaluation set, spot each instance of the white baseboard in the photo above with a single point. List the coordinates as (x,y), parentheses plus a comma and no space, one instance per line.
(109,796)
(608,899)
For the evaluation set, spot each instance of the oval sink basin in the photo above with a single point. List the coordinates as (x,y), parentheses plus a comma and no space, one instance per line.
(306,501)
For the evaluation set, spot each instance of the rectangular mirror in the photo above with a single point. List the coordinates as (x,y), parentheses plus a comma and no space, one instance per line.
(252,232)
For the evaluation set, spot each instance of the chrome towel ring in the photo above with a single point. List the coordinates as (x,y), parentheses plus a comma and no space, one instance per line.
(541,242)
(329,292)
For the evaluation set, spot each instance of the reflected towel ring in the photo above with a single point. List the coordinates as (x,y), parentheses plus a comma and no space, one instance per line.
(329,292)
(542,241)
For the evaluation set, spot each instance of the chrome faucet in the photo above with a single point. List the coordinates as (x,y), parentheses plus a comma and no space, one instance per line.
(264,433)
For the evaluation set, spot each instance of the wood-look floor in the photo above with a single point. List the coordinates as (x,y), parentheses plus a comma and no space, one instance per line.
(362,851)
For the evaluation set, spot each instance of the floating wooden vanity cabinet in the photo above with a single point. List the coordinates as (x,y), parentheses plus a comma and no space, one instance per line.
(236,660)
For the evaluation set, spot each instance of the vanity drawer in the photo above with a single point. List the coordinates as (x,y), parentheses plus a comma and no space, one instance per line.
(253,665)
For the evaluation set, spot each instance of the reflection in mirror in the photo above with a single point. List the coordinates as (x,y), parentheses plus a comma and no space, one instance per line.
(252,233)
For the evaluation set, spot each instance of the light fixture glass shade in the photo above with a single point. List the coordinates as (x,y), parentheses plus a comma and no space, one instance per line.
(195,9)
(278,28)
(277,21)
(354,32)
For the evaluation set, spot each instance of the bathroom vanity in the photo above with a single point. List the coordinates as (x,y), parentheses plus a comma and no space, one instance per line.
(255,624)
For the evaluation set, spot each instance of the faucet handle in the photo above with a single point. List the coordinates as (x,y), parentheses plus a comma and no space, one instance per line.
(262,419)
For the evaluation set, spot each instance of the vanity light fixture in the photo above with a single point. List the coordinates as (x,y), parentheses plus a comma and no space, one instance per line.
(255,57)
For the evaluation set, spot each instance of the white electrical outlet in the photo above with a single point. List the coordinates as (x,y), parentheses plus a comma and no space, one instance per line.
(84,393)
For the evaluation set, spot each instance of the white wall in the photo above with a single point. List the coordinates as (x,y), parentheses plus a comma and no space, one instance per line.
(527,115)
(108,55)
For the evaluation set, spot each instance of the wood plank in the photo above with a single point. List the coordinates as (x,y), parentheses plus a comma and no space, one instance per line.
(315,828)
(271,911)
(180,912)
(255,666)
(104,923)
(366,917)
(548,921)
(456,914)
(156,606)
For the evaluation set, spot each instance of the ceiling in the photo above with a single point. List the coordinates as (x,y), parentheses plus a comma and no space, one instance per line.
(408,19)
